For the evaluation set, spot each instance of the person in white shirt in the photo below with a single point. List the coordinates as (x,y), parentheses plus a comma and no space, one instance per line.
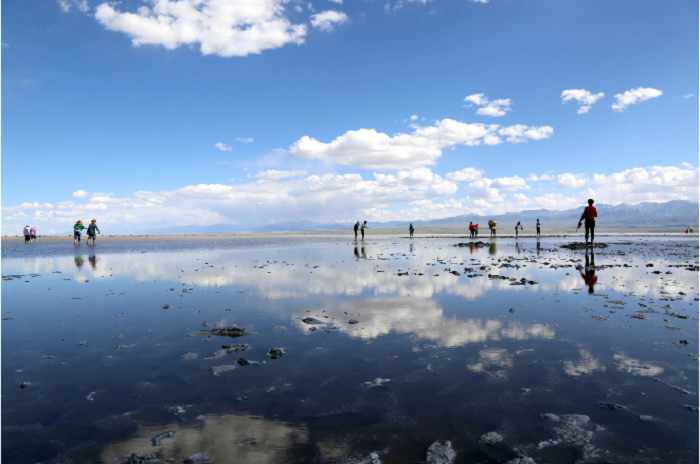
(27,234)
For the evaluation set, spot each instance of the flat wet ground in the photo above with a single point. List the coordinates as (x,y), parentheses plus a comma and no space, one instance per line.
(464,341)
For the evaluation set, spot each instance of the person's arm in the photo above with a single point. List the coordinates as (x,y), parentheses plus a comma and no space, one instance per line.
(583,216)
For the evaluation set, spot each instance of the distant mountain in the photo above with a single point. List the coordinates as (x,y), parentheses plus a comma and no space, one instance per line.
(677,213)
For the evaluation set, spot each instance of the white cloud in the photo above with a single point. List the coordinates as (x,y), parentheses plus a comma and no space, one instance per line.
(369,149)
(634,96)
(465,175)
(570,180)
(480,1)
(654,184)
(273,174)
(690,95)
(81,5)
(244,139)
(80,194)
(585,98)
(220,27)
(35,205)
(519,133)
(327,20)
(414,117)
(223,147)
(336,1)
(488,108)
(536,178)
(686,165)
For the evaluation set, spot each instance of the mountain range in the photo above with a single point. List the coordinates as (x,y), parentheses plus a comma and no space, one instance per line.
(672,214)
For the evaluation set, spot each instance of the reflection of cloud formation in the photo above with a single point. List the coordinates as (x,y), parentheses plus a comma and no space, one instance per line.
(235,438)
(491,357)
(423,318)
(636,367)
(586,365)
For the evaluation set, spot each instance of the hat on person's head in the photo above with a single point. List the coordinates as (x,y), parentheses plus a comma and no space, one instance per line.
(94,220)
(79,221)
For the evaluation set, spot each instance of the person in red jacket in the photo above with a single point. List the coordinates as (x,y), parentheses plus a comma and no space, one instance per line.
(588,218)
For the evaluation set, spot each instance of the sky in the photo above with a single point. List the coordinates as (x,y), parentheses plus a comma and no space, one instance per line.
(148,114)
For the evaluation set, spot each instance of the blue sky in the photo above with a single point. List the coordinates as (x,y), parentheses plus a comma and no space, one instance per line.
(94,125)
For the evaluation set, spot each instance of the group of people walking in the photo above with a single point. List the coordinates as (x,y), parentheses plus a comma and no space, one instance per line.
(92,230)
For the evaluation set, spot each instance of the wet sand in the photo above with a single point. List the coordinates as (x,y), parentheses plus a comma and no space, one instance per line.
(386,347)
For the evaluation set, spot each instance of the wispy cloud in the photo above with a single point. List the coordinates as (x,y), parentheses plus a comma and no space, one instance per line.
(633,97)
(488,108)
(223,147)
(585,98)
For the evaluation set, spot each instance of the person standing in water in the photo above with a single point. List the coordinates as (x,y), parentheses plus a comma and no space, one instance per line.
(32,234)
(92,228)
(76,231)
(588,217)
(517,226)
(471,230)
(410,229)
(357,227)
(27,234)
(492,226)
(364,226)
(538,228)
(476,230)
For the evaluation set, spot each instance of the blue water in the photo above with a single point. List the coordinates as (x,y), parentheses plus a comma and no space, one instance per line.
(456,358)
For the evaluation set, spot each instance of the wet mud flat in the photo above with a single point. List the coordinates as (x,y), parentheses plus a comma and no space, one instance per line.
(329,350)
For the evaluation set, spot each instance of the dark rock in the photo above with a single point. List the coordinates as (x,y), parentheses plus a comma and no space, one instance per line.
(610,405)
(177,410)
(311,320)
(197,457)
(582,246)
(246,362)
(232,331)
(275,353)
(156,440)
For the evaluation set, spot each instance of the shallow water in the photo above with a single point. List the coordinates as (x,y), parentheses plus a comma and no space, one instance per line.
(456,358)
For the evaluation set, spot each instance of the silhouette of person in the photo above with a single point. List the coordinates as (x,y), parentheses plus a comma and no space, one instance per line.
(357,254)
(93,261)
(492,249)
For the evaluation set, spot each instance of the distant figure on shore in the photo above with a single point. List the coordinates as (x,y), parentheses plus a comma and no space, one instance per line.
(357,227)
(92,228)
(689,229)
(32,234)
(76,232)
(589,276)
(492,226)
(517,226)
(588,217)
(364,226)
(539,224)
(27,234)
(471,230)
(410,229)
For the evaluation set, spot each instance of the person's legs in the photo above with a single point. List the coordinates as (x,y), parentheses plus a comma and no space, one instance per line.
(588,230)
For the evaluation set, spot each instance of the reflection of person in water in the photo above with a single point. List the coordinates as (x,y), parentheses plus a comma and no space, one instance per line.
(517,247)
(539,248)
(93,261)
(79,262)
(357,254)
(588,275)
(411,247)
(492,249)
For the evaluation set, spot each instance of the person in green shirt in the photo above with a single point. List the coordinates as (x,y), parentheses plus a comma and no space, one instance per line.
(76,232)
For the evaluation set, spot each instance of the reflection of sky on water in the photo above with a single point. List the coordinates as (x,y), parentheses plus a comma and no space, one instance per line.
(422,318)
(239,438)
(283,275)
(501,338)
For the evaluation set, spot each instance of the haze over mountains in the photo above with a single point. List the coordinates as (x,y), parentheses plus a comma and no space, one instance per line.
(672,214)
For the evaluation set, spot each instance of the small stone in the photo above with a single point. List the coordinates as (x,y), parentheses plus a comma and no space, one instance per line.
(441,453)
(177,410)
(197,457)
(491,438)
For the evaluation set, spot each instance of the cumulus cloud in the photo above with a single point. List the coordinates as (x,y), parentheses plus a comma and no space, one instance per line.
(536,178)
(273,174)
(466,174)
(369,149)
(634,96)
(654,184)
(585,98)
(80,194)
(220,27)
(244,139)
(686,165)
(519,133)
(488,108)
(570,180)
(80,5)
(223,147)
(414,117)
(327,20)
